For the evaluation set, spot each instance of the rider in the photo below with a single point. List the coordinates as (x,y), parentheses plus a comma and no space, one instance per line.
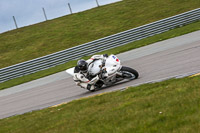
(81,76)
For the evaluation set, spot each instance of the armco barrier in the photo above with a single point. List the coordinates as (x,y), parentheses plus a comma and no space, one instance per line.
(99,45)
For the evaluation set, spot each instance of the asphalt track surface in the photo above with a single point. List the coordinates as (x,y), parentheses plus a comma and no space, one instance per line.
(170,58)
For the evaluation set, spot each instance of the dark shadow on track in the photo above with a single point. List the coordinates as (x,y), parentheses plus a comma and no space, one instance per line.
(118,83)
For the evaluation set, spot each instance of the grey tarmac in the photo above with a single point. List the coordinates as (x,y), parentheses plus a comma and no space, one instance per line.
(158,61)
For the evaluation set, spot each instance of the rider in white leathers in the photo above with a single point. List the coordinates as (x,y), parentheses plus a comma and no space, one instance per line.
(81,76)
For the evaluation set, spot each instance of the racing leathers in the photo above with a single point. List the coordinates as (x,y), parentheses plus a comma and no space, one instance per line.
(83,79)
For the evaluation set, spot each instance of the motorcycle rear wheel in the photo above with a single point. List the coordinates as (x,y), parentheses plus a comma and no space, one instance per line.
(129,73)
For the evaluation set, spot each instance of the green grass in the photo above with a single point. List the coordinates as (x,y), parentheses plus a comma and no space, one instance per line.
(170,106)
(140,43)
(54,35)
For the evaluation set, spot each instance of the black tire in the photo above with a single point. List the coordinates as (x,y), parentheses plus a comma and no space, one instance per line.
(130,70)
(92,90)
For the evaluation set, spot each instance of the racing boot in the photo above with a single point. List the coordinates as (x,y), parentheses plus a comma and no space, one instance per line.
(91,87)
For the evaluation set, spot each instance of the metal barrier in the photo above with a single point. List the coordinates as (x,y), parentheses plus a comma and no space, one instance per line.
(99,45)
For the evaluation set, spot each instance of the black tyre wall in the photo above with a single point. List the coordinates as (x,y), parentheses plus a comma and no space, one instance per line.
(131,70)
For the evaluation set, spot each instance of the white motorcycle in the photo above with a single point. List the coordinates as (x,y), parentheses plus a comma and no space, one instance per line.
(113,69)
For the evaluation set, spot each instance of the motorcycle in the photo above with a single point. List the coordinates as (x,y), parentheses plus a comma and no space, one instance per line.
(115,72)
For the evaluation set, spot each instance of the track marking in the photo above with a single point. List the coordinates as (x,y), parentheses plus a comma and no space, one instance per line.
(58,105)
(80,99)
(195,75)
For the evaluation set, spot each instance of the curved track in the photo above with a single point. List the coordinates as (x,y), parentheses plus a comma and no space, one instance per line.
(162,60)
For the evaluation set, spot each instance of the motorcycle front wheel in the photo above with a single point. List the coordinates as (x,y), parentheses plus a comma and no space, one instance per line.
(129,73)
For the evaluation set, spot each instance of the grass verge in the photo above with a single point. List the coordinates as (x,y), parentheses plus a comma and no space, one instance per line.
(54,35)
(168,106)
(172,33)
